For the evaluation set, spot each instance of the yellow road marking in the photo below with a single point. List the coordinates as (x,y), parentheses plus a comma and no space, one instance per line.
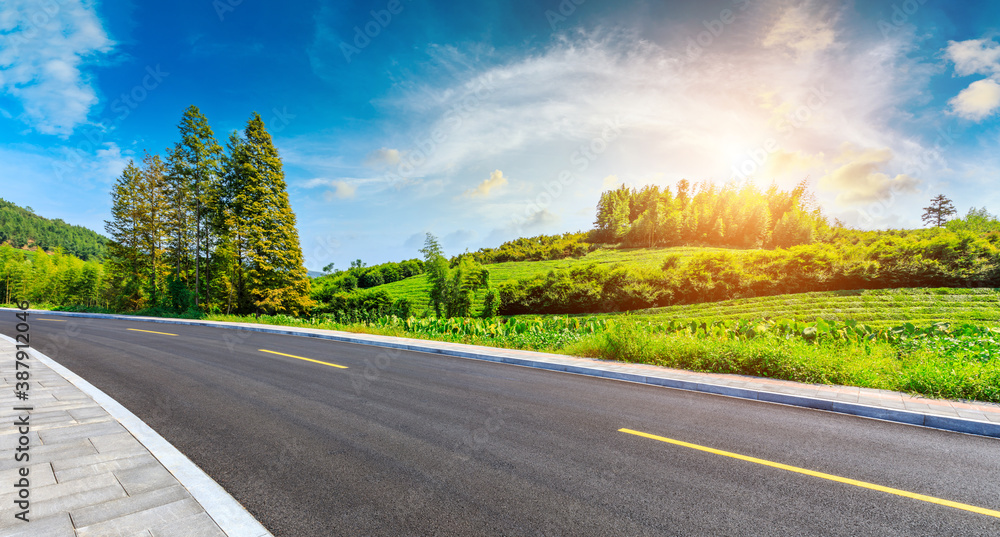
(53,320)
(863,484)
(150,331)
(306,359)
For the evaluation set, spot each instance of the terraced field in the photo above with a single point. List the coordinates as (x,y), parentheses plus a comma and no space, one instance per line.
(875,307)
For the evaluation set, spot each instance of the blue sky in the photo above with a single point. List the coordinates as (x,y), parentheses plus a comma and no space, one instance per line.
(484,121)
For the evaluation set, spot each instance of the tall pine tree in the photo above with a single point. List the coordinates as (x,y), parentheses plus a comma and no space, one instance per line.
(194,165)
(153,208)
(265,242)
(125,260)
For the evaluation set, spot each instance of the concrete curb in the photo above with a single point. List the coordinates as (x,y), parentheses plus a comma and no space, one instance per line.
(490,354)
(227,513)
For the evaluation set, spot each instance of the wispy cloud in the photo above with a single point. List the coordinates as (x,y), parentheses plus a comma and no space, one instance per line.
(861,178)
(495,180)
(44,47)
(335,188)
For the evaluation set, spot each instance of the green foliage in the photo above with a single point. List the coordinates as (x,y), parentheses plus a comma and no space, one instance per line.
(540,248)
(741,217)
(54,278)
(260,223)
(22,228)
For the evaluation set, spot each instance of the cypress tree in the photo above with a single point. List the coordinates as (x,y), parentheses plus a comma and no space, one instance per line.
(273,277)
(124,257)
(153,210)
(194,163)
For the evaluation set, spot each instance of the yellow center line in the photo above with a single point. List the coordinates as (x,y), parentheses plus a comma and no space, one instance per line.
(855,482)
(306,359)
(150,331)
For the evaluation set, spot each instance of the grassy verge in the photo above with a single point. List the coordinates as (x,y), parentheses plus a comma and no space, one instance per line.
(956,362)
(922,366)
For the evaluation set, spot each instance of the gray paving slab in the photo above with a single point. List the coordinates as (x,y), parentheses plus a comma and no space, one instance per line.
(129,505)
(96,470)
(54,526)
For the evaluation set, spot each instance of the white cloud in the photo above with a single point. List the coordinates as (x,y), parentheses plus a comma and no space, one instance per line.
(336,188)
(382,157)
(495,180)
(974,56)
(860,180)
(44,47)
(977,101)
(803,28)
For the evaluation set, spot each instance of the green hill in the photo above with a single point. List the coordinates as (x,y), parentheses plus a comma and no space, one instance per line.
(875,307)
(416,288)
(22,228)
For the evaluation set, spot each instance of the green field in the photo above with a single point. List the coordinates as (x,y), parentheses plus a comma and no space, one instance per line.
(416,288)
(875,307)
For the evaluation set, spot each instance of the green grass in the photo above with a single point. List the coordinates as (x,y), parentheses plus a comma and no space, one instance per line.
(416,288)
(875,307)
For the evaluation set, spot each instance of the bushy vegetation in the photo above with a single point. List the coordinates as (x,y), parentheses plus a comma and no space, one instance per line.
(22,228)
(55,278)
(540,248)
(955,256)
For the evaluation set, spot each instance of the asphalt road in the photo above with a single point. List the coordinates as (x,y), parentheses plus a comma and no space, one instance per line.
(407,443)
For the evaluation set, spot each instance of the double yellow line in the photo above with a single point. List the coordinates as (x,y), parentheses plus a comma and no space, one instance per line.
(821,475)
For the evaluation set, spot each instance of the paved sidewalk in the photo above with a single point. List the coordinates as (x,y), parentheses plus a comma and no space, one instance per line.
(88,475)
(960,416)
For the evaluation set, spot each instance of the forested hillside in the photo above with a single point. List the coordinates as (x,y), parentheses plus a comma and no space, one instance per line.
(22,228)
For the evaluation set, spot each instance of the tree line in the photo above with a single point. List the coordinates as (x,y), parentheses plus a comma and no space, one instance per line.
(207,229)
(20,227)
(706,214)
(963,252)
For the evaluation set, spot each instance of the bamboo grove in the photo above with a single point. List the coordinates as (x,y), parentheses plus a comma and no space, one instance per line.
(206,229)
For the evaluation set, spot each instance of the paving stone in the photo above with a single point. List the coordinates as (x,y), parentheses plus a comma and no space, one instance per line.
(81,431)
(115,442)
(198,525)
(76,486)
(39,475)
(53,526)
(145,478)
(116,509)
(163,516)
(67,503)
(88,412)
(105,467)
(96,458)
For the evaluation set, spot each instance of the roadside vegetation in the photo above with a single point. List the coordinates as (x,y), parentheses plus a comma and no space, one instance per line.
(730,280)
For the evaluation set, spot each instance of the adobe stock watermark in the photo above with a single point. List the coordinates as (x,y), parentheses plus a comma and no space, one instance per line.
(476,437)
(372,370)
(901,14)
(280,119)
(714,29)
(411,160)
(757,157)
(580,161)
(123,106)
(222,7)
(44,12)
(371,29)
(562,13)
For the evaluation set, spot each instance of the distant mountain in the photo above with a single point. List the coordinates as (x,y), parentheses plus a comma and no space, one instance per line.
(21,228)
